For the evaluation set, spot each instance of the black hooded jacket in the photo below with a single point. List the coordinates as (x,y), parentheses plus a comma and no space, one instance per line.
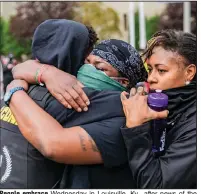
(177,167)
(61,43)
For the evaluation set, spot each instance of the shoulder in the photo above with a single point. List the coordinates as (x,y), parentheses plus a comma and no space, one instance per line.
(103,94)
(189,118)
(111,98)
(107,129)
(46,101)
(186,125)
(107,136)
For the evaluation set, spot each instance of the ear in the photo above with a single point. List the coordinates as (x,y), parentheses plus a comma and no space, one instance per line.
(190,72)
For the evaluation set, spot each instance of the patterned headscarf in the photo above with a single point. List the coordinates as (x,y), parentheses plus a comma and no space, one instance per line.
(123,57)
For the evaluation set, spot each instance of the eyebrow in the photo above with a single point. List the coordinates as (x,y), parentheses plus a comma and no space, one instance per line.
(157,64)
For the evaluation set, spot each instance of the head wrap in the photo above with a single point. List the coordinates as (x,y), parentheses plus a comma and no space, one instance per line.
(61,43)
(123,57)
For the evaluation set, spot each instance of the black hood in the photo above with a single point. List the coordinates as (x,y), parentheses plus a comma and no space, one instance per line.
(61,43)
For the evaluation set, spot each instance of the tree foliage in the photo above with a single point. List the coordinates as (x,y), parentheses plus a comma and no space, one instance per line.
(1,34)
(9,44)
(31,14)
(172,17)
(103,19)
(151,24)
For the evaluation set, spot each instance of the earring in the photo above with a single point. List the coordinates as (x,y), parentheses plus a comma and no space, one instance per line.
(187,83)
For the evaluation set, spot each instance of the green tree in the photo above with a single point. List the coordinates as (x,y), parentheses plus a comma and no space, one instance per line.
(20,28)
(151,27)
(10,44)
(1,35)
(30,14)
(103,19)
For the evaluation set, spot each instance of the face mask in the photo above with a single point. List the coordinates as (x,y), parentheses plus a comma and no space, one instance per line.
(96,79)
(95,68)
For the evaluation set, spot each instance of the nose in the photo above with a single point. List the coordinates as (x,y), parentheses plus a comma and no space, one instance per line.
(151,78)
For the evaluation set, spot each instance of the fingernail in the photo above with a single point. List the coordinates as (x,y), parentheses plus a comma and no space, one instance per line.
(88,103)
(85,109)
(79,110)
(69,107)
(167,112)
(123,97)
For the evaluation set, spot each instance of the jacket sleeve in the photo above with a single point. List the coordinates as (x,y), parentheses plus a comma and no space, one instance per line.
(57,110)
(176,169)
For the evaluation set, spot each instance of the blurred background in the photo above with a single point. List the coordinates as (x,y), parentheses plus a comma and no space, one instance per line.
(134,22)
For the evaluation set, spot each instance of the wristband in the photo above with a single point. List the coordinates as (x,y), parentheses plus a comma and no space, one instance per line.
(42,70)
(9,94)
(39,73)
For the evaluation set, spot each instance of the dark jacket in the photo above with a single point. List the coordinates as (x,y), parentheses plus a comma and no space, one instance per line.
(30,169)
(102,122)
(177,168)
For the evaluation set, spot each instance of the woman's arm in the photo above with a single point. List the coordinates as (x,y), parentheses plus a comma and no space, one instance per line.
(177,169)
(65,145)
(63,86)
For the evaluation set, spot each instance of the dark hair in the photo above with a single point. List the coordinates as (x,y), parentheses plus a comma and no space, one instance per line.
(93,38)
(182,43)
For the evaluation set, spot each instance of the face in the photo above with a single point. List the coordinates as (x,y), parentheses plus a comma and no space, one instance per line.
(107,68)
(167,70)
(102,65)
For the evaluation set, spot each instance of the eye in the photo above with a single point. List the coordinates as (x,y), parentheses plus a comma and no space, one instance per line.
(101,66)
(101,69)
(149,69)
(161,71)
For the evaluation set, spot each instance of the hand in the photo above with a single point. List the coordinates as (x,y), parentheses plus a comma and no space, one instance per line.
(145,86)
(26,71)
(65,88)
(136,109)
(17,83)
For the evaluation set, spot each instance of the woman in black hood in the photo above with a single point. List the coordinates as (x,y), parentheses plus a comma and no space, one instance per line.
(63,44)
(22,165)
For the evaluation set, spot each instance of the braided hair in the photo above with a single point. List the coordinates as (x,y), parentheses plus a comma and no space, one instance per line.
(182,43)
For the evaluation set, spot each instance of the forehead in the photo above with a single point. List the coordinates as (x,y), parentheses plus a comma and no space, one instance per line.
(95,58)
(162,56)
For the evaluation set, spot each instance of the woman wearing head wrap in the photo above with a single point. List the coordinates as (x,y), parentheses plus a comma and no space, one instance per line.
(92,137)
(123,57)
(117,55)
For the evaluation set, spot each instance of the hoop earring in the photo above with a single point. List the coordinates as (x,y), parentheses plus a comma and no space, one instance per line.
(187,83)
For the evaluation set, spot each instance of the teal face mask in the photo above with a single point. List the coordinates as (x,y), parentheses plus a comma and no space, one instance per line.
(96,79)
